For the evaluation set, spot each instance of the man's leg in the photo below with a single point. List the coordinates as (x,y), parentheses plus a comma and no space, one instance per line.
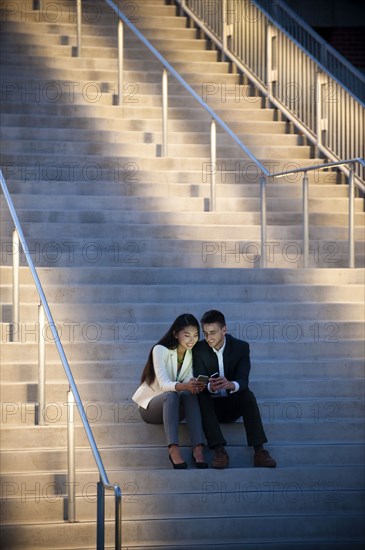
(213,431)
(251,415)
(210,421)
(244,404)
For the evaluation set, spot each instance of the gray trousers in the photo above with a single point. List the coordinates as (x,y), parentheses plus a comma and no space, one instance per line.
(169,409)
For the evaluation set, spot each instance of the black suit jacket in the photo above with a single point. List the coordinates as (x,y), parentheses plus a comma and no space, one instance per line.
(236,360)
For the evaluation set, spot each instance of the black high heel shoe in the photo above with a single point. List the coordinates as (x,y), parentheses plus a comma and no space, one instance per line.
(179,465)
(199,465)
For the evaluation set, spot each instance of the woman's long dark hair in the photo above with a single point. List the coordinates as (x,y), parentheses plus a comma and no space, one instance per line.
(170,342)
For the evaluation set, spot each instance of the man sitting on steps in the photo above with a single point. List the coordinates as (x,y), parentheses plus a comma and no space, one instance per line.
(227,396)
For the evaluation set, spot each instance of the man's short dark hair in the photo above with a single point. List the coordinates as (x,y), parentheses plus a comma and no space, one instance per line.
(213,316)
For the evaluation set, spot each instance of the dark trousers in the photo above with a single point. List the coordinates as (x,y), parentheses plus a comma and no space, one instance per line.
(228,409)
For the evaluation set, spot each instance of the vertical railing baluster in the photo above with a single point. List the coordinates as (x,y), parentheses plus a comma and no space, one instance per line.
(41,365)
(71,502)
(78,24)
(263,220)
(15,329)
(165,101)
(120,60)
(118,517)
(213,160)
(351,237)
(100,523)
(305,220)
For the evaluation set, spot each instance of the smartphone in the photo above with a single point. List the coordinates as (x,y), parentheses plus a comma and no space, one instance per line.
(203,378)
(215,375)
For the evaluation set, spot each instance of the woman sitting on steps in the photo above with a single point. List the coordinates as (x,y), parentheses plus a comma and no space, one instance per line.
(168,390)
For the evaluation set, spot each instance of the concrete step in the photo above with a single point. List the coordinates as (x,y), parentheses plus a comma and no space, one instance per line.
(94,167)
(159,276)
(168,203)
(252,331)
(83,136)
(142,93)
(293,410)
(20,39)
(131,348)
(109,64)
(103,94)
(100,17)
(111,124)
(54,436)
(92,107)
(184,254)
(141,482)
(255,498)
(224,236)
(120,389)
(350,309)
(168,189)
(188,533)
(132,74)
(244,293)
(147,149)
(92,52)
(25,370)
(101,177)
(103,35)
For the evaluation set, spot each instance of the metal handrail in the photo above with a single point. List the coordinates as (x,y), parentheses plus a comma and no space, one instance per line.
(187,87)
(104,481)
(264,172)
(321,49)
(265,79)
(305,210)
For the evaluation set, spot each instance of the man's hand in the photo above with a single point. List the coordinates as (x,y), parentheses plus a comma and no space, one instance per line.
(221,383)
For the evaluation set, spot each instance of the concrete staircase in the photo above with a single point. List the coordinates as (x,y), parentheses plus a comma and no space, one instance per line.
(123,243)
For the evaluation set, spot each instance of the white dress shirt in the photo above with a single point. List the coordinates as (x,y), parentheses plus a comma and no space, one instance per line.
(219,354)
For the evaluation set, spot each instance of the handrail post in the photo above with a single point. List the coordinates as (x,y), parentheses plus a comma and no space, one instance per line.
(15,317)
(165,100)
(351,218)
(118,517)
(213,161)
(321,115)
(305,220)
(41,365)
(71,503)
(263,220)
(78,23)
(120,60)
(224,28)
(271,62)
(100,523)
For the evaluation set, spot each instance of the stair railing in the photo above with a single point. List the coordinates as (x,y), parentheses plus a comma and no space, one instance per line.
(289,77)
(215,118)
(73,396)
(315,45)
(167,68)
(219,23)
(352,183)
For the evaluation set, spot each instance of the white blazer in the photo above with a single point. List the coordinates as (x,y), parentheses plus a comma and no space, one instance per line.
(165,365)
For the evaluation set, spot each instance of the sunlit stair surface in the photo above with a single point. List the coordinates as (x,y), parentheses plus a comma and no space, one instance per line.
(123,240)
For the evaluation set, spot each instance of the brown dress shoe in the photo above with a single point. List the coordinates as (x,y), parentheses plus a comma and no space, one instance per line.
(263,459)
(221,458)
